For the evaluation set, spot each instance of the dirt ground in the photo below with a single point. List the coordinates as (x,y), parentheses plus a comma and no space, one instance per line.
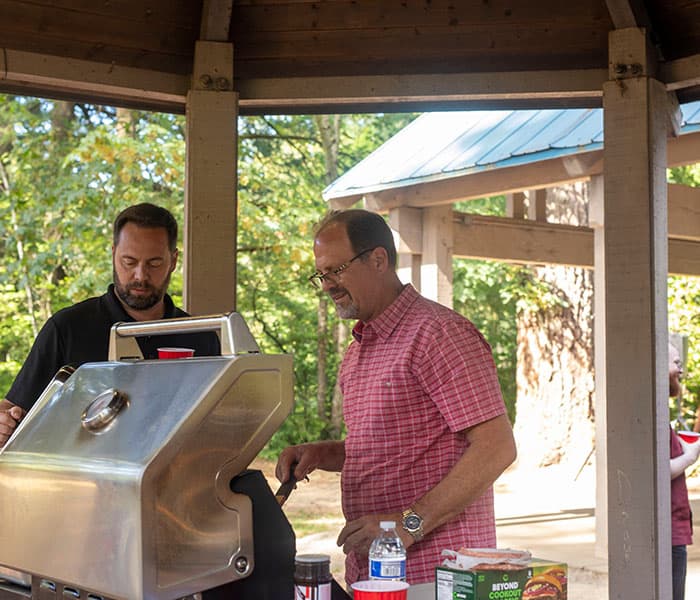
(314,511)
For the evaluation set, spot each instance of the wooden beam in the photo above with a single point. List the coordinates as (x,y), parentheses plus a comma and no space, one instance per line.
(681,73)
(684,212)
(546,173)
(622,13)
(683,258)
(521,241)
(683,150)
(48,76)
(279,94)
(51,76)
(216,20)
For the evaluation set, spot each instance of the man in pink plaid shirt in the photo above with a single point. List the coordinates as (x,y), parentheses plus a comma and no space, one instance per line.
(427,432)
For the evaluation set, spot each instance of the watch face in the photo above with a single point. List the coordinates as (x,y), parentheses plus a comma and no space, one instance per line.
(412,522)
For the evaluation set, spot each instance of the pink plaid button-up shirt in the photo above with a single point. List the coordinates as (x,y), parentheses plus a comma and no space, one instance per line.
(413,380)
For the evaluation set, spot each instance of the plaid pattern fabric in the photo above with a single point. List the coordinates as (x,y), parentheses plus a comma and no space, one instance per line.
(413,380)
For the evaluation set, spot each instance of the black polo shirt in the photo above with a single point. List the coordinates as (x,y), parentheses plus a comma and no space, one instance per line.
(80,333)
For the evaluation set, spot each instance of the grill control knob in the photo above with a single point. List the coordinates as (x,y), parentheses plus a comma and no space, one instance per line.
(103,409)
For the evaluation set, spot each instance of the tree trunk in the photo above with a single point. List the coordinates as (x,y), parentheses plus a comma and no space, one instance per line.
(555,404)
(328,127)
(322,354)
(341,344)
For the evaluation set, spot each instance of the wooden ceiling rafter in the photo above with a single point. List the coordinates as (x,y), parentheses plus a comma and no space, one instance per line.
(342,56)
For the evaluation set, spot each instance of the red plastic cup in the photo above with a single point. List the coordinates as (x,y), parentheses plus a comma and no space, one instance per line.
(175,352)
(689,436)
(380,590)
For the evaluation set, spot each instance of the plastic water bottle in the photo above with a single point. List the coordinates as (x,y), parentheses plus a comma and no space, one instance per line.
(387,555)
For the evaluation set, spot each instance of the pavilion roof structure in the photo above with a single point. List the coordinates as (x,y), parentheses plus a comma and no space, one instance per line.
(296,56)
(441,146)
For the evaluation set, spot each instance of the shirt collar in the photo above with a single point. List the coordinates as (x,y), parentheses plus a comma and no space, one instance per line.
(117,312)
(386,322)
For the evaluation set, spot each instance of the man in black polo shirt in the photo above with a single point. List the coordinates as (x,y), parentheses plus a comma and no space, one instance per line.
(144,255)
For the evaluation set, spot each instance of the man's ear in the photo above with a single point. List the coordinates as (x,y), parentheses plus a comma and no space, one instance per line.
(380,258)
(174,255)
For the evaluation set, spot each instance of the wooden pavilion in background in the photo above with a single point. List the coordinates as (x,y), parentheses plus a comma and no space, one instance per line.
(215,58)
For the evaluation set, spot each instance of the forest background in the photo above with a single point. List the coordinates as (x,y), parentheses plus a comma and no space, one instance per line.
(67,169)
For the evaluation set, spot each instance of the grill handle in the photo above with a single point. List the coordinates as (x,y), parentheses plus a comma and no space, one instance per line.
(234,335)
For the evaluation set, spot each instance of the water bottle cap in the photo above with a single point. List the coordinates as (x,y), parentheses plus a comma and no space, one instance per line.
(387,524)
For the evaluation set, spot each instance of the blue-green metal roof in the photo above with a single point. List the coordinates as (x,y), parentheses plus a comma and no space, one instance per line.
(449,144)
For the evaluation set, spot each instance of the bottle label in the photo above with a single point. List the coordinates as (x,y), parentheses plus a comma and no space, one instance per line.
(320,591)
(387,569)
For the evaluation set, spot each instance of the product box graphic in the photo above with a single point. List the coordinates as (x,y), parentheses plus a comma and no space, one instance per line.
(539,580)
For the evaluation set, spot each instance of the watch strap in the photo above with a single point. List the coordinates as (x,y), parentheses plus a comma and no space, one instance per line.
(416,533)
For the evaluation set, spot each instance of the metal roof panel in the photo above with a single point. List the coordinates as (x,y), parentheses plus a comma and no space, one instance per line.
(449,144)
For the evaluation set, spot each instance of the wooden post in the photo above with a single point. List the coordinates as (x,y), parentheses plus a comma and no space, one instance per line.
(407,225)
(636,247)
(515,205)
(436,269)
(210,196)
(537,205)
(596,220)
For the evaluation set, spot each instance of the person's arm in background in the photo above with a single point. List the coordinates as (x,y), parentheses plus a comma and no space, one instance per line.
(681,462)
(10,416)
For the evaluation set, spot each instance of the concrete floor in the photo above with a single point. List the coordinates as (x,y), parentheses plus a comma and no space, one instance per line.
(561,526)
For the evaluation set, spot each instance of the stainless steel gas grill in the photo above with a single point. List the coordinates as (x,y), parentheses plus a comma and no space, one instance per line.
(128,479)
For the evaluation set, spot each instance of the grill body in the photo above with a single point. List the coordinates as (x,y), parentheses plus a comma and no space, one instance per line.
(132,499)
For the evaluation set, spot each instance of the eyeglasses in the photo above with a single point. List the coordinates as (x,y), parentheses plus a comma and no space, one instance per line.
(318,278)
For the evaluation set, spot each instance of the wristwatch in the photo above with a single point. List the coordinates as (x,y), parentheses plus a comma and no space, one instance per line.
(413,523)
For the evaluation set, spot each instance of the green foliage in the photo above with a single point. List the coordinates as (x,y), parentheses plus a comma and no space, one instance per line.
(480,295)
(282,174)
(67,170)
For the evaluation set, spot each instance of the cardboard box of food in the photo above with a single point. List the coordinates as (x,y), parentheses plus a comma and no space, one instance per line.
(540,580)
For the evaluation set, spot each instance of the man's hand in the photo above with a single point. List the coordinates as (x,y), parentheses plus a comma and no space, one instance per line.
(328,456)
(357,535)
(681,462)
(692,450)
(10,416)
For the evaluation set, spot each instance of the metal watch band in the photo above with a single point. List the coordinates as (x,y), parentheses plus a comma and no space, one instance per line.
(416,534)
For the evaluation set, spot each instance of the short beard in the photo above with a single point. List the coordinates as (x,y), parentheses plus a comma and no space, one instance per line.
(139,302)
(350,311)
